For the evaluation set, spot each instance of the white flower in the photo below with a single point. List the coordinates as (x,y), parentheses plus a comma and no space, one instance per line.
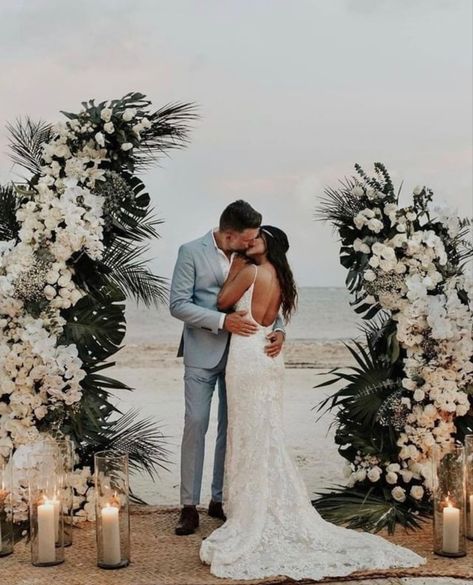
(399,494)
(374,474)
(369,275)
(375,225)
(417,492)
(357,191)
(49,292)
(109,128)
(126,146)
(419,394)
(106,114)
(391,477)
(129,114)
(406,475)
(100,139)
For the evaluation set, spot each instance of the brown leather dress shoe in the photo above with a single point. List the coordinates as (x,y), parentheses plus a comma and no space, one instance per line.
(188,521)
(216,510)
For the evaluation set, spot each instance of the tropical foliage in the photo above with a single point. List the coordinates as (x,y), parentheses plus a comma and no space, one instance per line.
(410,390)
(73,245)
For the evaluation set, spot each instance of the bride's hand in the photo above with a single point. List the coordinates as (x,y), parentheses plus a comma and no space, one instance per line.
(238,263)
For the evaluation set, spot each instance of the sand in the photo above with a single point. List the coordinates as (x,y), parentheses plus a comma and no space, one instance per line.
(156,374)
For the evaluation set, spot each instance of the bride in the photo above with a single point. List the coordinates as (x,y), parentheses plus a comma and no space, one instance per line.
(272,528)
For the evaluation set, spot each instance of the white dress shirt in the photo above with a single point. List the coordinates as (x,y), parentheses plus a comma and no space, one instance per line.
(225,264)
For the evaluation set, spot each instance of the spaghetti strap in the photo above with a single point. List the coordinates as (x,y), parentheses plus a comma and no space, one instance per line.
(256,272)
(251,289)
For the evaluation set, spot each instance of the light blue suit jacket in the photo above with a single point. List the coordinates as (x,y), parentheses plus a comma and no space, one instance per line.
(196,282)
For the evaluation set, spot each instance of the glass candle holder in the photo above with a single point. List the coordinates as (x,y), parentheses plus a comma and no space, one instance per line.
(64,448)
(449,502)
(112,509)
(6,505)
(469,485)
(45,479)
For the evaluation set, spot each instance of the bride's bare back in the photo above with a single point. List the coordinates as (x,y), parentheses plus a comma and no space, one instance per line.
(266,300)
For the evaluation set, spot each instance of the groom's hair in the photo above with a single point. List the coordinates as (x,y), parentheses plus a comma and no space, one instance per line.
(239,216)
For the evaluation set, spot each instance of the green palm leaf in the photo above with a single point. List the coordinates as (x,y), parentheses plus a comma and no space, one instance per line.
(27,138)
(360,509)
(169,130)
(142,440)
(9,227)
(339,206)
(127,270)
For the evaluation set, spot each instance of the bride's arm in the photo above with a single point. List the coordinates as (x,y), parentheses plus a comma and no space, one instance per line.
(238,281)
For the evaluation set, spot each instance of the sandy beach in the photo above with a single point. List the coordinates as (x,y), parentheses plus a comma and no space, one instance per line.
(156,374)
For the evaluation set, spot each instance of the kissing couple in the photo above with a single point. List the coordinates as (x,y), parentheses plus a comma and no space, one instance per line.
(234,290)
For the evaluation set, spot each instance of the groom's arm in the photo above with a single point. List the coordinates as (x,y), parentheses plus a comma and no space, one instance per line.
(279,325)
(276,338)
(181,302)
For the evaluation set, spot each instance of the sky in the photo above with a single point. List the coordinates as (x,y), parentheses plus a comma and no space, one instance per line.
(290,95)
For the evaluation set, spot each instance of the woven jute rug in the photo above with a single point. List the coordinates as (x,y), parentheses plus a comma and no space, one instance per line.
(161,558)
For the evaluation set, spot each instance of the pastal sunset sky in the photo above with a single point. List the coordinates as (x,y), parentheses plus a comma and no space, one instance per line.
(290,94)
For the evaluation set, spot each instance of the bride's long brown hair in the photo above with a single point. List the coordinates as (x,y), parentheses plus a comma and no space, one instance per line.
(277,245)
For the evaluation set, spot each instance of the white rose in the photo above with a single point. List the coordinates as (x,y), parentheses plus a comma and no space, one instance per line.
(129,114)
(417,492)
(375,225)
(49,292)
(99,137)
(374,474)
(109,128)
(40,412)
(399,494)
(393,467)
(391,477)
(65,279)
(369,275)
(106,114)
(62,151)
(52,277)
(419,395)
(127,146)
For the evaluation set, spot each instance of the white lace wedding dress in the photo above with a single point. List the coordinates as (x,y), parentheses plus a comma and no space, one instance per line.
(272,528)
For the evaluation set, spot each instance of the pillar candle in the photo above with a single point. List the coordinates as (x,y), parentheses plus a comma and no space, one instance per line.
(111,535)
(46,533)
(451,529)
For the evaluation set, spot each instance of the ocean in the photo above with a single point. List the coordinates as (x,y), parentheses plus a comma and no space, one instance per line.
(323,314)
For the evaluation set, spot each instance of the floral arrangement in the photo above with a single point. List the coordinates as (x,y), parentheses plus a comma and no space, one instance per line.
(411,390)
(71,246)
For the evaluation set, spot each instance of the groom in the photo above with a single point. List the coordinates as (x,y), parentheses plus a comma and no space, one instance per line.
(199,274)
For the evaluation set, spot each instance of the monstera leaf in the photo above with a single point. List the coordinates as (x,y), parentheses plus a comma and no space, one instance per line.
(96,325)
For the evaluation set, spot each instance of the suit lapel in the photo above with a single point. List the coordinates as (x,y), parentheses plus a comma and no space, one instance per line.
(211,255)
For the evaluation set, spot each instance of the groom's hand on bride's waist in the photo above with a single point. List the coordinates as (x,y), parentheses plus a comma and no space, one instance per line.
(274,347)
(240,324)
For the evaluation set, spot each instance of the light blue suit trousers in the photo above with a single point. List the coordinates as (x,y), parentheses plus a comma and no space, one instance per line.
(200,384)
